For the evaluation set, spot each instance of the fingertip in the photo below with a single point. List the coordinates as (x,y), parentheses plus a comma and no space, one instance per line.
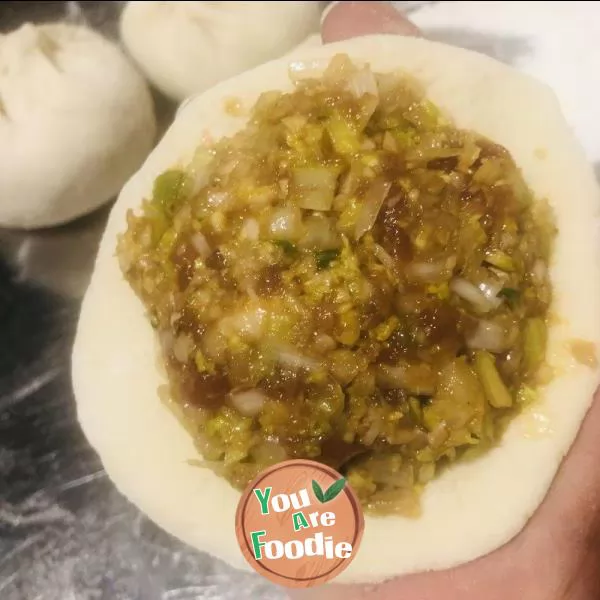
(328,9)
(344,20)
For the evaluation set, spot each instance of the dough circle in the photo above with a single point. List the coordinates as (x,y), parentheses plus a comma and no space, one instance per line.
(473,508)
(76,121)
(186,47)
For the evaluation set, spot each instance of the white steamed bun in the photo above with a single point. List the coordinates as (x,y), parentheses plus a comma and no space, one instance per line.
(186,47)
(76,120)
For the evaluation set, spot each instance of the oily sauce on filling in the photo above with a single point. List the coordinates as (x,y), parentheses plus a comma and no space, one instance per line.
(350,279)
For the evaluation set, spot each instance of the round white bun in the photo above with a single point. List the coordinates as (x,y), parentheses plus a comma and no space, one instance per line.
(186,47)
(76,121)
(472,508)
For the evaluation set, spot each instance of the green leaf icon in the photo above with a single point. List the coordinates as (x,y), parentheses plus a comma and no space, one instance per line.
(335,489)
(318,491)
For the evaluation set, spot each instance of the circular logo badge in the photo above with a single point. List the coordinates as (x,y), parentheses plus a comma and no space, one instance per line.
(299,524)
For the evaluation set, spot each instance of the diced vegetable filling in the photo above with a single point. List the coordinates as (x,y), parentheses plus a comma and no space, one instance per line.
(350,279)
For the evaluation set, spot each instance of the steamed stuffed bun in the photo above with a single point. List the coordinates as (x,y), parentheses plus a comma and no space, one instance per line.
(76,120)
(186,47)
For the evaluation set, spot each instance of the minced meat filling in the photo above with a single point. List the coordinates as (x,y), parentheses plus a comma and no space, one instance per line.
(351,279)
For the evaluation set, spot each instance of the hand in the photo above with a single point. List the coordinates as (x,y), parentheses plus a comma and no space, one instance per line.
(557,555)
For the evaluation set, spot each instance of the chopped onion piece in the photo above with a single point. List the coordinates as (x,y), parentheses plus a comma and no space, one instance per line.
(431,271)
(319,233)
(248,402)
(371,435)
(416,378)
(384,258)
(488,336)
(290,357)
(315,177)
(490,290)
(218,199)
(201,245)
(339,70)
(470,153)
(182,348)
(324,343)
(200,169)
(363,82)
(372,203)
(368,145)
(248,323)
(474,295)
(250,229)
(286,224)
(314,187)
(349,183)
(439,435)
(319,199)
(269,453)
